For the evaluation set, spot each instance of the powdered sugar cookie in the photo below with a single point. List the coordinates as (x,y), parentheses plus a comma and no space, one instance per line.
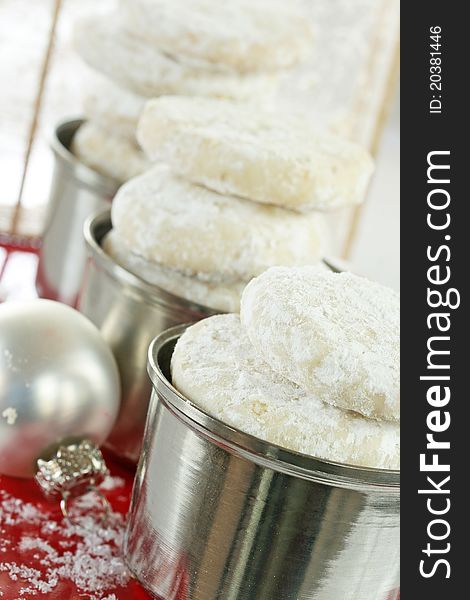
(217,295)
(240,34)
(256,154)
(114,108)
(335,335)
(186,227)
(131,63)
(111,155)
(216,367)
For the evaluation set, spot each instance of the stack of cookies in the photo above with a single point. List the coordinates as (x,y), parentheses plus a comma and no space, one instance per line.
(237,189)
(147,48)
(311,364)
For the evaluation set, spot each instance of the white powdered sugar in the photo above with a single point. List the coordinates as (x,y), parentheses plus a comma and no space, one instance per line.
(86,554)
(257,154)
(242,35)
(336,335)
(105,45)
(111,154)
(186,227)
(144,49)
(115,109)
(219,295)
(215,366)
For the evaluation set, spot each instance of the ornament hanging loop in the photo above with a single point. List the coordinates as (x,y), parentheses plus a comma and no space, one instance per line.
(67,498)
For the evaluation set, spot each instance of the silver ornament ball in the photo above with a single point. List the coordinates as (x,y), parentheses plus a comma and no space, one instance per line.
(58,378)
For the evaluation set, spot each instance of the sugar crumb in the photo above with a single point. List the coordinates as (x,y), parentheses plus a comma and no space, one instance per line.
(10,414)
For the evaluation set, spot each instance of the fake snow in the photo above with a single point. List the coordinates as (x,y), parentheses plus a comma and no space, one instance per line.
(10,415)
(86,554)
(111,483)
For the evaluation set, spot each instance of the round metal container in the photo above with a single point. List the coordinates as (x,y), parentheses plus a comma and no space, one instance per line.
(76,192)
(220,515)
(130,313)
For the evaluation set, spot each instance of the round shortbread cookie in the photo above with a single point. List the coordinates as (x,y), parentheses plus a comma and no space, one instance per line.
(240,34)
(335,335)
(114,108)
(256,154)
(186,227)
(216,367)
(217,295)
(126,59)
(111,155)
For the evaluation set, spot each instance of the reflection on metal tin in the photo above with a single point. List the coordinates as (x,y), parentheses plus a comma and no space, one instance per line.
(76,192)
(129,313)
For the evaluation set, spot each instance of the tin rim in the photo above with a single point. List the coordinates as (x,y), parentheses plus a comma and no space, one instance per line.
(251,448)
(60,143)
(95,228)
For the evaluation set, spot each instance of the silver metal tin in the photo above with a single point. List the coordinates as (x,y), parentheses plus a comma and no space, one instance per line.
(130,313)
(220,515)
(76,192)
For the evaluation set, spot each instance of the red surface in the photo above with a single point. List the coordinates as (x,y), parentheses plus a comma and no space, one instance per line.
(17,265)
(28,491)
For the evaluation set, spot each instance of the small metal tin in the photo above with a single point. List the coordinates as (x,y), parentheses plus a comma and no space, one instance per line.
(129,313)
(220,515)
(76,192)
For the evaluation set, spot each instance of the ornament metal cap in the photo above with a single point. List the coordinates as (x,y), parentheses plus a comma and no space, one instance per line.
(70,469)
